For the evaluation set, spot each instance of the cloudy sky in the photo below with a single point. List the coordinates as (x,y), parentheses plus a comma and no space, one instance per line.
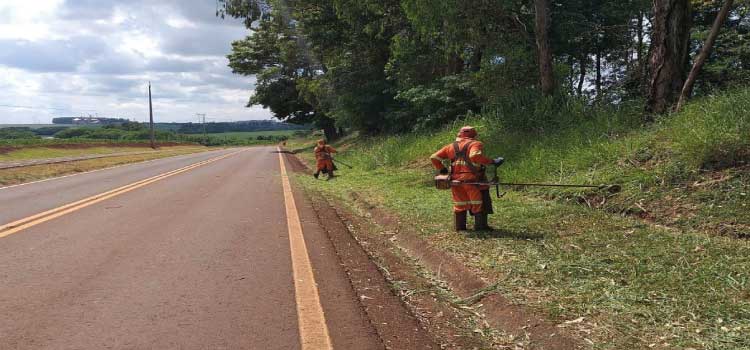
(80,57)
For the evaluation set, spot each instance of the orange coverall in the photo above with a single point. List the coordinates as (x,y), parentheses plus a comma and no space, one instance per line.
(465,197)
(324,158)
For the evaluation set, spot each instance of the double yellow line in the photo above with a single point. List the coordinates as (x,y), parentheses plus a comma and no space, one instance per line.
(22,224)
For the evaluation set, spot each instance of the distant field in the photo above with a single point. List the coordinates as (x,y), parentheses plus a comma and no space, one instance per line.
(71,150)
(252,134)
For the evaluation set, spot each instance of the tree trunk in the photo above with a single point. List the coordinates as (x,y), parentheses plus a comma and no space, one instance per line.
(544,50)
(329,127)
(687,90)
(639,34)
(669,54)
(455,64)
(640,64)
(598,74)
(475,64)
(571,79)
(583,75)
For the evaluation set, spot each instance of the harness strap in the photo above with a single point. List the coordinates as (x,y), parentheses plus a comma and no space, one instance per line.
(323,152)
(462,154)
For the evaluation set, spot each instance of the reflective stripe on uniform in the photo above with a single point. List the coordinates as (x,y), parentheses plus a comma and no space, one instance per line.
(468,203)
(461,162)
(473,153)
(435,156)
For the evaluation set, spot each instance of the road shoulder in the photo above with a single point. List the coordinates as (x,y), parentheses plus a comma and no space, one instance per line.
(402,300)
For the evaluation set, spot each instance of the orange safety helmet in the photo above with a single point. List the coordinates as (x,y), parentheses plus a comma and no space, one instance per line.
(467,132)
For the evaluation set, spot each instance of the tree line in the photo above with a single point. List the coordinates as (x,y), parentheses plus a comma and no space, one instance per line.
(221,127)
(401,65)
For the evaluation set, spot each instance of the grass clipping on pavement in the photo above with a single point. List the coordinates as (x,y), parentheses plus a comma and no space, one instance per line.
(614,279)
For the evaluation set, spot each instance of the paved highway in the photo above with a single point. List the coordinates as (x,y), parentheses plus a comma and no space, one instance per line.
(202,251)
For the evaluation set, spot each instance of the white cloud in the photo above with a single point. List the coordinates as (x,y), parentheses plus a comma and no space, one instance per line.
(96,56)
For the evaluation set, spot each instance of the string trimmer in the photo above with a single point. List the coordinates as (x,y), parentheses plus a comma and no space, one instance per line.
(342,163)
(443,182)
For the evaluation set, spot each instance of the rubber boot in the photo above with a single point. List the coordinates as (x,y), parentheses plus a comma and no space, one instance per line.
(330,175)
(459,219)
(316,174)
(480,222)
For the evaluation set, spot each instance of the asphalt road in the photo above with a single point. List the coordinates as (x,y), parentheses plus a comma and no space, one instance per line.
(197,260)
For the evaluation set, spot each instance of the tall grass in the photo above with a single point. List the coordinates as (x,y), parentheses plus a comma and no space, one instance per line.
(714,133)
(588,144)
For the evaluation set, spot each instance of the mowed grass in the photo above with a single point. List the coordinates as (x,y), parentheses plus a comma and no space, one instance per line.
(48,152)
(636,284)
(16,176)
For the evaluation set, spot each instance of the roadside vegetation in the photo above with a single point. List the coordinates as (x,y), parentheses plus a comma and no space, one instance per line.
(567,92)
(71,150)
(130,132)
(663,263)
(14,176)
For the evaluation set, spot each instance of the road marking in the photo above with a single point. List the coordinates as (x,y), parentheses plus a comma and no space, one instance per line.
(22,224)
(102,169)
(313,331)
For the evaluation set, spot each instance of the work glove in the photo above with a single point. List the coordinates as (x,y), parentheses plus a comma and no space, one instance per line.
(498,161)
(443,171)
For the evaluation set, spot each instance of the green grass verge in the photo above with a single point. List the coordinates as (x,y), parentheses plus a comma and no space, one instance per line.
(637,285)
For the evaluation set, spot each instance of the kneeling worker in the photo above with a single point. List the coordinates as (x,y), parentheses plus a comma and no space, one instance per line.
(324,159)
(467,166)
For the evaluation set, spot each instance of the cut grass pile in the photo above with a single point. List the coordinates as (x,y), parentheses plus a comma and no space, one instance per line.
(635,284)
(16,176)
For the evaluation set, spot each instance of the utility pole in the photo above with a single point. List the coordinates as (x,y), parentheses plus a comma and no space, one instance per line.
(205,137)
(151,117)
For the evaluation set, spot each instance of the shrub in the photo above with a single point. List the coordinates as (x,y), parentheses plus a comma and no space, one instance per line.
(17,133)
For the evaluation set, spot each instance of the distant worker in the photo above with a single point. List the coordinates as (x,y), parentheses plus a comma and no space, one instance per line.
(467,168)
(324,157)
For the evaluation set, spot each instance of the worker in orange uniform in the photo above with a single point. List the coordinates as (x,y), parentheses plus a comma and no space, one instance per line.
(467,166)
(324,158)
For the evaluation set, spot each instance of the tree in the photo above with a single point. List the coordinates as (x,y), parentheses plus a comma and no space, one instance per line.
(544,51)
(272,53)
(399,65)
(669,54)
(687,89)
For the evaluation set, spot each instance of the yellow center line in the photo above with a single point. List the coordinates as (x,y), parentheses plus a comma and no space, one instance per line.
(313,331)
(22,224)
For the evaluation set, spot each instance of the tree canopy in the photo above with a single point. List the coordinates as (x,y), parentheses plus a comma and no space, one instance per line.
(398,65)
